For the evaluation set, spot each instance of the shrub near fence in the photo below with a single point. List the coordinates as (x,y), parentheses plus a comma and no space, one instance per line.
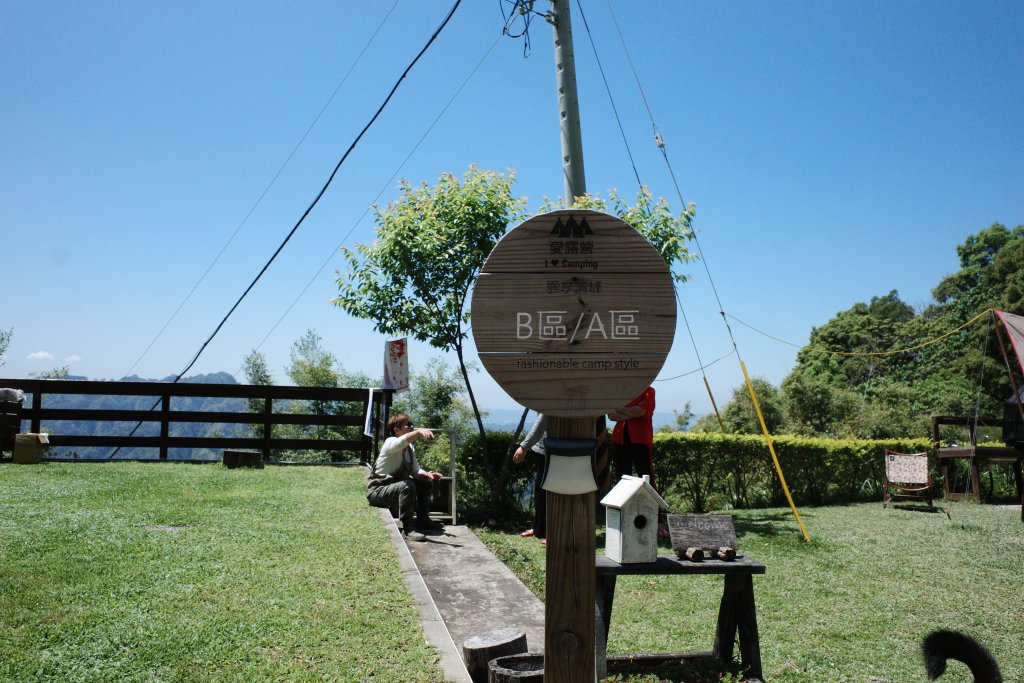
(703,471)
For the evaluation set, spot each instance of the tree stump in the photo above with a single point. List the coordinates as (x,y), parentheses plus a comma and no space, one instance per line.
(527,667)
(726,553)
(694,554)
(479,650)
(235,459)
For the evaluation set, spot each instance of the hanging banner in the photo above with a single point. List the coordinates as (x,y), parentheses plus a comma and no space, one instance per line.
(368,418)
(396,364)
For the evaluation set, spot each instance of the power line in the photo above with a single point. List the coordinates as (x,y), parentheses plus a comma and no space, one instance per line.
(266,189)
(383,189)
(312,204)
(750,388)
(696,370)
(608,90)
(521,9)
(323,189)
(915,347)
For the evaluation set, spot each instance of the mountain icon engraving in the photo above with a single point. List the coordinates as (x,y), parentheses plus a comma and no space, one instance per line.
(571,228)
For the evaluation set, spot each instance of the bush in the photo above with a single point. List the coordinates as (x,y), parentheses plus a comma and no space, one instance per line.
(473,491)
(702,471)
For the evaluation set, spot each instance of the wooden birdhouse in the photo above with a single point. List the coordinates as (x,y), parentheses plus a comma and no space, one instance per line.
(631,526)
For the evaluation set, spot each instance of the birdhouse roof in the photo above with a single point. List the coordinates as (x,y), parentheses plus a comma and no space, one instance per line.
(628,487)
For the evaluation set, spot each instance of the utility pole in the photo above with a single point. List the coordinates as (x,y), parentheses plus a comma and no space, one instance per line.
(568,103)
(569,610)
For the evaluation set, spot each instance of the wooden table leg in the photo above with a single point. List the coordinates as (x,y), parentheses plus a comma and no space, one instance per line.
(944,473)
(605,591)
(1019,479)
(737,613)
(975,476)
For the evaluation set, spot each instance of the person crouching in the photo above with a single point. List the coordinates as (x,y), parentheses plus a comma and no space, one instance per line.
(398,480)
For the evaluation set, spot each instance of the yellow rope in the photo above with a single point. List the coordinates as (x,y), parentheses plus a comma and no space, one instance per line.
(868,353)
(771,449)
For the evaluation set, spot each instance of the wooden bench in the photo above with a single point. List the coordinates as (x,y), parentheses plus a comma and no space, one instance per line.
(977,458)
(736,612)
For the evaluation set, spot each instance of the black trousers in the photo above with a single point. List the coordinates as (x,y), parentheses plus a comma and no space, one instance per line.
(630,457)
(411,497)
(540,497)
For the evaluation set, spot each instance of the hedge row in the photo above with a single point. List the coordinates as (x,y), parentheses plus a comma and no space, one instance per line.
(700,471)
(705,471)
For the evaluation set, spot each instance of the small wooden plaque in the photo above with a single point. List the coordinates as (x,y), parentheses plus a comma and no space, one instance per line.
(708,532)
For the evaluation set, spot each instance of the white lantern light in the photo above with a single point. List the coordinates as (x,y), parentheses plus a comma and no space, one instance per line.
(569,466)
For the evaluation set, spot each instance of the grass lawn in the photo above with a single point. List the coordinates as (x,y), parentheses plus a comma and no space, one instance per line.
(852,606)
(163,572)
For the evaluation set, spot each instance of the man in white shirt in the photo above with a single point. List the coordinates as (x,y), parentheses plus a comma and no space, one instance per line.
(397,475)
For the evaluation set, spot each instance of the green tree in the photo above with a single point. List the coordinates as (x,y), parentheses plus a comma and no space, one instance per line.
(816,408)
(840,352)
(311,365)
(257,372)
(5,343)
(682,421)
(1005,275)
(667,232)
(436,399)
(969,289)
(59,372)
(314,366)
(739,415)
(884,352)
(431,243)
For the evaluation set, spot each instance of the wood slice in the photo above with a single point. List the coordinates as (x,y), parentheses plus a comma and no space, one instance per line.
(479,650)
(520,668)
(694,554)
(726,553)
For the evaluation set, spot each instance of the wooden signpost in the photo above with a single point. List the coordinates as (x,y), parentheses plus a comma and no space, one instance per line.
(573,315)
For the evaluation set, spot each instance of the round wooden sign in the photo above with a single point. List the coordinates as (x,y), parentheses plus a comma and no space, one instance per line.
(574,313)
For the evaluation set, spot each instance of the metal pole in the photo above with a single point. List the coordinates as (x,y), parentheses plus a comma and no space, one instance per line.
(568,103)
(569,621)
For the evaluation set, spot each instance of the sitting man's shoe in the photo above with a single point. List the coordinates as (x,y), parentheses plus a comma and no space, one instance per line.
(429,525)
(415,536)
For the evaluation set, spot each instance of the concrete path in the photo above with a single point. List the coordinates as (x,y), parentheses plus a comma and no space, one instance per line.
(462,590)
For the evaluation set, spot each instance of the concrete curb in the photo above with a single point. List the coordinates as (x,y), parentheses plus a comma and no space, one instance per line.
(434,628)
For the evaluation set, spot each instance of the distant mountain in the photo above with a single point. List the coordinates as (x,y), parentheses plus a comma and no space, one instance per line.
(210,378)
(210,405)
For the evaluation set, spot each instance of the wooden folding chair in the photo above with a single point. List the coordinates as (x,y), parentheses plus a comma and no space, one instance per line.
(906,476)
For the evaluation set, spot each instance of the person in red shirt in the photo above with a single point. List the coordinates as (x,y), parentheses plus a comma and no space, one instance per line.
(633,437)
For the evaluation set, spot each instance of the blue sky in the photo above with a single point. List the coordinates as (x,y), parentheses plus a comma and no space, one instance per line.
(835,151)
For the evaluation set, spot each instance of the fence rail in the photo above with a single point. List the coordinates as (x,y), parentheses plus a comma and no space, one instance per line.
(43,392)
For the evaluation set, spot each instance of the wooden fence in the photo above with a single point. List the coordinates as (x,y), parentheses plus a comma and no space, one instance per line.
(39,414)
